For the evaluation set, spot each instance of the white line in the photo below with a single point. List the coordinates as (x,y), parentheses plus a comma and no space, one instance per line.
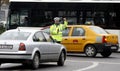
(109,63)
(95,64)
(4,65)
(95,61)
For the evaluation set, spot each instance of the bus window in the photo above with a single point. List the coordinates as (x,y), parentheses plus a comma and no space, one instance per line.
(70,15)
(14,20)
(24,21)
(72,21)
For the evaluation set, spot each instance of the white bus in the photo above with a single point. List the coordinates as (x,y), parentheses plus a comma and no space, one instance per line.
(41,12)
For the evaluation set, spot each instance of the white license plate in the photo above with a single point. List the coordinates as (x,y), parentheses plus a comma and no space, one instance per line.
(113,47)
(6,46)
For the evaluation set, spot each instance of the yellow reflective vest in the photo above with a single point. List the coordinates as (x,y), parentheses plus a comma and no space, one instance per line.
(56,31)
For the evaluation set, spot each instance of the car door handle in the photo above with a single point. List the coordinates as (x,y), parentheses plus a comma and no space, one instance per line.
(83,38)
(66,39)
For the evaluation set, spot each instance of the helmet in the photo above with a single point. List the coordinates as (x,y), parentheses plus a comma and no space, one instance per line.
(57,18)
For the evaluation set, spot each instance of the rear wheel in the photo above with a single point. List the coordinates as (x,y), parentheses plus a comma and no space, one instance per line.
(90,51)
(106,54)
(61,59)
(35,62)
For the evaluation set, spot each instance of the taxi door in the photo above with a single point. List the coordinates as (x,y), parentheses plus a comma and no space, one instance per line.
(75,41)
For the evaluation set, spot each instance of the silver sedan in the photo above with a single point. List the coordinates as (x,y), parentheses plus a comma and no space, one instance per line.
(30,47)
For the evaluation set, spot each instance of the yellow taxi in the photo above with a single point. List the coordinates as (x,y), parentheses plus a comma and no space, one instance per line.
(90,40)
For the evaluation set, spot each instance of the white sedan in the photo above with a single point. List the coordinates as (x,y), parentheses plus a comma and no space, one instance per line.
(30,47)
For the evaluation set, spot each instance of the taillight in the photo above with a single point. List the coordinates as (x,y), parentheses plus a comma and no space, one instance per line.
(104,39)
(22,47)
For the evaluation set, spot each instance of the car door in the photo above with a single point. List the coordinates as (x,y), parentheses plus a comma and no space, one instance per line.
(54,48)
(76,40)
(42,44)
(66,38)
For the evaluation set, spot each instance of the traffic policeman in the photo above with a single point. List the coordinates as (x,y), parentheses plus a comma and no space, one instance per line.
(57,28)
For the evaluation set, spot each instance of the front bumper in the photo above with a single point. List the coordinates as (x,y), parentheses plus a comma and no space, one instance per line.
(106,47)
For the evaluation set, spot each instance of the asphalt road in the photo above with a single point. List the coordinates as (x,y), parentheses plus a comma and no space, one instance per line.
(74,62)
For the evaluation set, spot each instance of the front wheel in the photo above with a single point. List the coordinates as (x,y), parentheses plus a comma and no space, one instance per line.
(61,59)
(90,51)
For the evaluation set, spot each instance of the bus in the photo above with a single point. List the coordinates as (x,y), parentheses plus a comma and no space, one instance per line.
(40,13)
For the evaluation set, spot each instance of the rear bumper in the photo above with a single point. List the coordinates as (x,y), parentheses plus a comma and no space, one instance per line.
(106,47)
(14,56)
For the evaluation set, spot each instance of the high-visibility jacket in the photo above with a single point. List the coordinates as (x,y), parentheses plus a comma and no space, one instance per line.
(56,31)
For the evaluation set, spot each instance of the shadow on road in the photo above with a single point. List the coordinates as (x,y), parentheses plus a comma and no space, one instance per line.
(23,68)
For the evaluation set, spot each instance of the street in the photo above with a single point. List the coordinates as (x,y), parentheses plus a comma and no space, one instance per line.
(74,62)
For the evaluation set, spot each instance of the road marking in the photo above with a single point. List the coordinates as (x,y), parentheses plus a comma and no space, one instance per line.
(109,63)
(95,61)
(9,65)
(95,64)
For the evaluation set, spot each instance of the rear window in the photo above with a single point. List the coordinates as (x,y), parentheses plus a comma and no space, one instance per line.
(98,30)
(14,36)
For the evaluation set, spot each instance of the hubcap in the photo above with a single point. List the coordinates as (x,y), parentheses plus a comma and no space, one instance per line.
(36,61)
(90,51)
(62,55)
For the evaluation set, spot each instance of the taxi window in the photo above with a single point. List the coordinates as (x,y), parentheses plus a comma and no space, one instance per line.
(98,30)
(66,32)
(78,32)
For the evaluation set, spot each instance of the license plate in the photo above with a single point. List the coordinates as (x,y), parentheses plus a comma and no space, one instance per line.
(6,46)
(113,47)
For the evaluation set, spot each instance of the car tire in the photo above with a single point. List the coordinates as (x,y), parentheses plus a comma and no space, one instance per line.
(106,54)
(0,64)
(35,62)
(90,51)
(26,64)
(61,59)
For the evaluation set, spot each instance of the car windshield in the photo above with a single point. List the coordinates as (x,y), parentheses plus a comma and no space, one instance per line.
(14,36)
(98,30)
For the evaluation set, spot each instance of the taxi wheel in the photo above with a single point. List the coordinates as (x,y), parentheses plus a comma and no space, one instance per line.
(106,54)
(35,62)
(61,59)
(90,51)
